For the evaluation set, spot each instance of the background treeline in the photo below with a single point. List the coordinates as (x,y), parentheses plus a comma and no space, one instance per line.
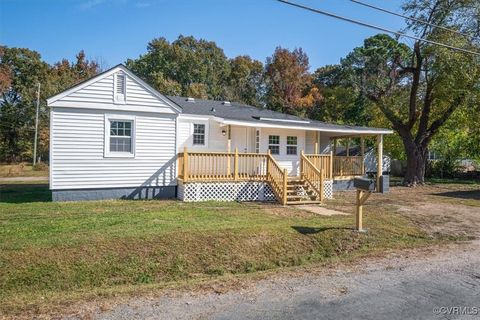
(429,95)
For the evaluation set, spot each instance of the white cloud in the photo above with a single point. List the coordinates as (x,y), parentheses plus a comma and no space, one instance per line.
(90,4)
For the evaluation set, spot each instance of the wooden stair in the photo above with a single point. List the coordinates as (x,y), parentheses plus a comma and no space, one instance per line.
(300,192)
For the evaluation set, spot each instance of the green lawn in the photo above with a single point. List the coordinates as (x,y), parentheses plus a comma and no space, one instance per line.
(53,253)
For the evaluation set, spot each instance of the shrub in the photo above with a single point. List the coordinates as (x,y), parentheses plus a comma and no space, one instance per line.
(40,166)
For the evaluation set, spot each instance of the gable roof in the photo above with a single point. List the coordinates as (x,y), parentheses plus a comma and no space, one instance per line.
(102,75)
(263,117)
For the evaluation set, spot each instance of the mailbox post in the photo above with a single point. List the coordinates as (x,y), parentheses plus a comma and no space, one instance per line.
(364,187)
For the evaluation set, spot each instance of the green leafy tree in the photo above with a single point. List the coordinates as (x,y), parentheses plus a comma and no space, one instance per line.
(187,66)
(23,69)
(431,81)
(20,72)
(245,82)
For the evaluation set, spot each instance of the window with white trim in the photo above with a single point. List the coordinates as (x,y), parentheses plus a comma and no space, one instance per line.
(291,145)
(257,141)
(121,136)
(198,134)
(120,87)
(274,144)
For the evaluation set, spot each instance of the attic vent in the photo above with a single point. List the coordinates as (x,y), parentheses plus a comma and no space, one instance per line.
(120,83)
(120,87)
(227,103)
(189,99)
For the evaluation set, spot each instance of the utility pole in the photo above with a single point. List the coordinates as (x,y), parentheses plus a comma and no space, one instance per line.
(36,127)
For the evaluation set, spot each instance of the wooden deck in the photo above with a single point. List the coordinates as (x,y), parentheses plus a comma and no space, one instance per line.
(235,166)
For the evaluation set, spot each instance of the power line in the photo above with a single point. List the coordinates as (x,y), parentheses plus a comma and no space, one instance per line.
(398,33)
(408,18)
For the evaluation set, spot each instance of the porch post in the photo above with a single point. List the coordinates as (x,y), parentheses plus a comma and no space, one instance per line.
(301,164)
(229,141)
(379,158)
(229,149)
(235,165)
(331,165)
(362,153)
(348,147)
(316,142)
(185,164)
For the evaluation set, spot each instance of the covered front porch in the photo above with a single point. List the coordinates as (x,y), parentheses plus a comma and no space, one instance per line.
(290,165)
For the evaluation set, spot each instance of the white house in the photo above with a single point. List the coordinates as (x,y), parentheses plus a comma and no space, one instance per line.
(114,136)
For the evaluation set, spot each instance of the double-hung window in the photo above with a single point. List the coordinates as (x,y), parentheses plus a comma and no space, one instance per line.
(274,144)
(291,145)
(198,134)
(119,136)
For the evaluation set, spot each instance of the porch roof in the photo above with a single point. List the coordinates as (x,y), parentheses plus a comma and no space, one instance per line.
(244,115)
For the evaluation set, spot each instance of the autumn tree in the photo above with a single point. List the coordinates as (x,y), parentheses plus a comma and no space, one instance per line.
(288,82)
(418,89)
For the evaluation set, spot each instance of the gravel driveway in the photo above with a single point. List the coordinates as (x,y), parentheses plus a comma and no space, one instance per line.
(400,286)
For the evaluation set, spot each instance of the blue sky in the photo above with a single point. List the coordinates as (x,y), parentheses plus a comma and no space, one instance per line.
(114,30)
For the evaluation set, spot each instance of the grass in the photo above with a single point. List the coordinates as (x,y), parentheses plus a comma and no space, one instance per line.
(56,253)
(23,170)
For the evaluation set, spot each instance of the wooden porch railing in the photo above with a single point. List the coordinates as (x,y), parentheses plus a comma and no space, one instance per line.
(228,166)
(211,166)
(322,161)
(348,166)
(277,178)
(312,175)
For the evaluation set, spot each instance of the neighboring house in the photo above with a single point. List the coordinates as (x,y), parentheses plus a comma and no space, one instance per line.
(114,136)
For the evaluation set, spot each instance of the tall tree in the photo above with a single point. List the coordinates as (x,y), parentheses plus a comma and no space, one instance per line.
(245,82)
(20,72)
(185,66)
(288,82)
(432,81)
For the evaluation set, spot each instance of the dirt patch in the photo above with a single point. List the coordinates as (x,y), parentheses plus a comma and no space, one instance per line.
(451,210)
(321,210)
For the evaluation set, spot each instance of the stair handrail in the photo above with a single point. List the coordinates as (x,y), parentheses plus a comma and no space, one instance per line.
(311,175)
(277,178)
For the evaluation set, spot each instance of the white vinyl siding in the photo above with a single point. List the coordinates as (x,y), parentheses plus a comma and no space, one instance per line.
(289,162)
(78,159)
(101,95)
(214,139)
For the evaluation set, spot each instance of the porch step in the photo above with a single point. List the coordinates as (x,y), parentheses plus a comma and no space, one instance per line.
(303,202)
(299,192)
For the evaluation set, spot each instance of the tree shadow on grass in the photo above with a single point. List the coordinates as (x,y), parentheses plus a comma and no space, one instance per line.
(466,194)
(310,230)
(23,193)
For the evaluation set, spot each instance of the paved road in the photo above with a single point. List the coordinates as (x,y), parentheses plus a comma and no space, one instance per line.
(401,286)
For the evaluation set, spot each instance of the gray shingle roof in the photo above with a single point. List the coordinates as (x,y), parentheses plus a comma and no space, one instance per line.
(242,112)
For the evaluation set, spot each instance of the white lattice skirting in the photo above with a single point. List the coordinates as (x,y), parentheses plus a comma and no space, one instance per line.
(225,191)
(328,189)
(233,191)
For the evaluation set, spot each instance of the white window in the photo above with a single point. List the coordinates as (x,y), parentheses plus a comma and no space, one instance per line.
(257,141)
(119,136)
(198,134)
(120,87)
(291,145)
(274,144)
